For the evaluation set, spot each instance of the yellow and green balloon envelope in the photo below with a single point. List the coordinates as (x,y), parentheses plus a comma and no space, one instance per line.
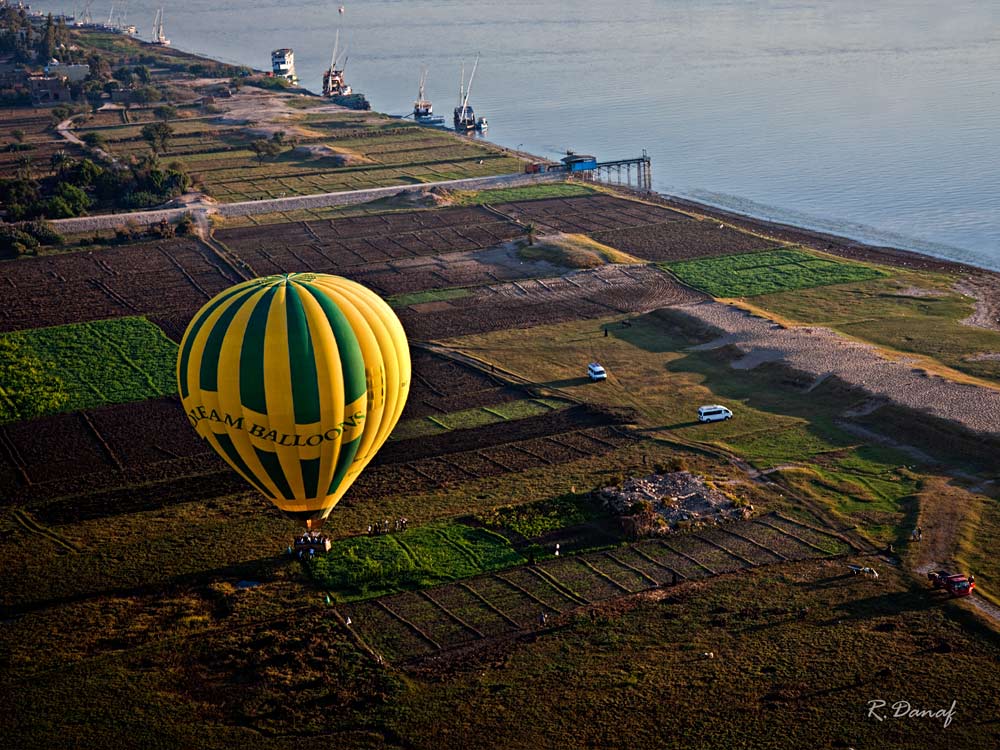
(296,381)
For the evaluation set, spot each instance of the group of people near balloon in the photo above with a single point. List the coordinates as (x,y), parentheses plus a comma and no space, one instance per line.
(384,526)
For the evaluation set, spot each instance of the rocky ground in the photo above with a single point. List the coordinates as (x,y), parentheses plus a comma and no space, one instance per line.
(822,353)
(679,498)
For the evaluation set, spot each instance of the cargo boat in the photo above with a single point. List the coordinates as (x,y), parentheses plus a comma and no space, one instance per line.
(335,88)
(465,116)
(423,110)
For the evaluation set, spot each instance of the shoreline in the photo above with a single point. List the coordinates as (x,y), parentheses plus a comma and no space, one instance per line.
(834,244)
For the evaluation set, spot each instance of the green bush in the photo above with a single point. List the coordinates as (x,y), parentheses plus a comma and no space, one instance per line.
(15,241)
(43,232)
(535,519)
(185,225)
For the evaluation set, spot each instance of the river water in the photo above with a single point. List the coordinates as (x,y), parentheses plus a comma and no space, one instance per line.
(878,120)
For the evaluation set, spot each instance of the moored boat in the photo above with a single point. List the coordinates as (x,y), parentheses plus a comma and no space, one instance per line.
(465,117)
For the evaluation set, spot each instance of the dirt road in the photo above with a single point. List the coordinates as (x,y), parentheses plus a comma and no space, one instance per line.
(293,203)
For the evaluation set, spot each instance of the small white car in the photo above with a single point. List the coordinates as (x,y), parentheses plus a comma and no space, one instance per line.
(595,372)
(713,413)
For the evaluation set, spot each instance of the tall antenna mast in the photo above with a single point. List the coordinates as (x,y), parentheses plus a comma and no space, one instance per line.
(465,101)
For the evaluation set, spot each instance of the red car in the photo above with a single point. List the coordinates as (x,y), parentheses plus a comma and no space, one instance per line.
(955,584)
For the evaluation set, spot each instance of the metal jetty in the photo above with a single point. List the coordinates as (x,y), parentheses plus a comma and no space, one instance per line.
(638,172)
(610,172)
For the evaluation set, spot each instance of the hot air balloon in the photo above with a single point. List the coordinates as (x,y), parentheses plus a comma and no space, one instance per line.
(296,381)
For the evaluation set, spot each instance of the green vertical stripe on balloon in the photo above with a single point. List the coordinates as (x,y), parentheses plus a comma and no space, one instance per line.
(192,333)
(302,358)
(310,476)
(344,460)
(208,377)
(226,443)
(272,465)
(351,360)
(252,392)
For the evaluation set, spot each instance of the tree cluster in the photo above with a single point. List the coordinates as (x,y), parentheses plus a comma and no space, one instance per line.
(74,186)
(24,238)
(264,148)
(157,135)
(27,44)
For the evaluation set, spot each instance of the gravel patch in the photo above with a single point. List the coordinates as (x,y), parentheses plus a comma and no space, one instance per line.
(984,288)
(820,351)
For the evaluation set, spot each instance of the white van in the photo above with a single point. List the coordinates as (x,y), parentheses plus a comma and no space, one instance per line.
(713,413)
(595,372)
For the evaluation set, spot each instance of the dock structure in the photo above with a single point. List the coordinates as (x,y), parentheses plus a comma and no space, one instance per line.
(635,173)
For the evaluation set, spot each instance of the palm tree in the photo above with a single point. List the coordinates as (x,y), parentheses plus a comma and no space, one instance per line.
(59,162)
(530,230)
(24,167)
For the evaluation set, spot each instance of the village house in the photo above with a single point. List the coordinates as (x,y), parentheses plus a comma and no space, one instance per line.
(47,91)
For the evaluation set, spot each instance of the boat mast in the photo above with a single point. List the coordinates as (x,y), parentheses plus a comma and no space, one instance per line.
(465,102)
(158,37)
(336,46)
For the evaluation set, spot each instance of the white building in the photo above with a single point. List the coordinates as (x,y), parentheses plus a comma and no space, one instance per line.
(283,64)
(75,73)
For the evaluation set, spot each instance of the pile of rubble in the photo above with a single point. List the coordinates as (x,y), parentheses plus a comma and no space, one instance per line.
(663,503)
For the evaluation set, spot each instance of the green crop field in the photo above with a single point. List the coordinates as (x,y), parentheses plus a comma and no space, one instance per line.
(750,274)
(479,416)
(381,151)
(82,365)
(528,193)
(367,566)
(433,295)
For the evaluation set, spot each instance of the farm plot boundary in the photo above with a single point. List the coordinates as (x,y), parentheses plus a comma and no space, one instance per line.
(521,600)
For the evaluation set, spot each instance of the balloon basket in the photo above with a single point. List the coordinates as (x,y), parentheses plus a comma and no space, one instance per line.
(309,544)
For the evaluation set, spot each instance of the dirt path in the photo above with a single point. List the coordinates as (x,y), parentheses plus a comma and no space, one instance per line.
(66,133)
(820,351)
(985,289)
(293,203)
(944,510)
